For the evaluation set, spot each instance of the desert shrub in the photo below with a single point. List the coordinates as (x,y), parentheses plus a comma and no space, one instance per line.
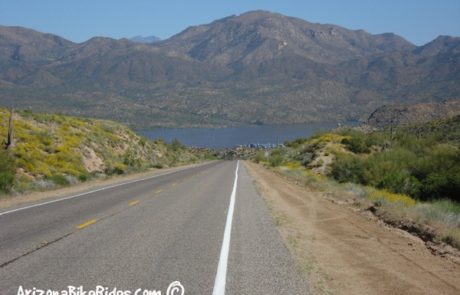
(349,168)
(306,158)
(356,145)
(84,177)
(442,184)
(7,171)
(143,141)
(295,143)
(130,159)
(360,142)
(416,167)
(59,179)
(158,166)
(115,169)
(400,182)
(176,145)
(275,158)
(259,157)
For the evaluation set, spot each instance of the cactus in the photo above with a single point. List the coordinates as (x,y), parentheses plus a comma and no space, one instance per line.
(9,137)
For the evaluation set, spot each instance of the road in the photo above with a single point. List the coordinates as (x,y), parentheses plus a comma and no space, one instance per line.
(144,235)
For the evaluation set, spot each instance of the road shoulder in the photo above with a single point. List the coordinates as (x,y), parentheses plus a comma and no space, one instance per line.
(345,252)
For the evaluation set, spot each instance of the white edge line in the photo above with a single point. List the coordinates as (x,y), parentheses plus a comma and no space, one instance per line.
(90,192)
(221,276)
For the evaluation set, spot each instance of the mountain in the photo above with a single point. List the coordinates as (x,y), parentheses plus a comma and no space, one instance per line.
(21,44)
(255,68)
(258,36)
(142,39)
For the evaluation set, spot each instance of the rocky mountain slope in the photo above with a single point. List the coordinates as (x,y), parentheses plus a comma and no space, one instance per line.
(254,68)
(393,115)
(259,36)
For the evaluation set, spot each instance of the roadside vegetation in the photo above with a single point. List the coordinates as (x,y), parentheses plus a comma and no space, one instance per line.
(409,176)
(51,150)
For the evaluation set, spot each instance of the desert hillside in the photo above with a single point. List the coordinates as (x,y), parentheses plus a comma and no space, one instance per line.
(53,150)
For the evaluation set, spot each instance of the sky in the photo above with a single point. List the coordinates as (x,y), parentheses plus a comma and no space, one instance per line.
(419,21)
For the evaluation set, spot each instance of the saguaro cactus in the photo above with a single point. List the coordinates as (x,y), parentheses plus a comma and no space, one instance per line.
(9,137)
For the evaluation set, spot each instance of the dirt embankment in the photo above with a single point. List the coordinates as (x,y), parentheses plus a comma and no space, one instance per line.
(346,252)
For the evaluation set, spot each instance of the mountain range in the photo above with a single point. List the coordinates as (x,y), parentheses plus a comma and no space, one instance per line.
(255,68)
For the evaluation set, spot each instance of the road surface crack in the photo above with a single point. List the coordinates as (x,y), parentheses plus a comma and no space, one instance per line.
(43,245)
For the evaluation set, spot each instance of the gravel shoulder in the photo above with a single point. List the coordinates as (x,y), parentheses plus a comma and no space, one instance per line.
(346,252)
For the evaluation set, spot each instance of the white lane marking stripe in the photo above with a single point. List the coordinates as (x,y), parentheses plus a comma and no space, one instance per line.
(90,192)
(221,276)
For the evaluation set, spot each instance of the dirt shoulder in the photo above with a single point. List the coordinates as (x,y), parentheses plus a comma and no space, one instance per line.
(346,252)
(32,197)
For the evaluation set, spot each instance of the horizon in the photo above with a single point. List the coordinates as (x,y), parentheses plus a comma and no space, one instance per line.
(79,22)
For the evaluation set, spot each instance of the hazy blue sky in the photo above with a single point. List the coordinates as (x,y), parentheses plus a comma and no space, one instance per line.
(419,21)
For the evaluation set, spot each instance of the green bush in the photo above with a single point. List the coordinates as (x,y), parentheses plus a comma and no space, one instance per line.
(158,166)
(259,157)
(400,182)
(176,145)
(7,171)
(349,168)
(59,179)
(295,143)
(84,177)
(357,145)
(117,169)
(416,166)
(275,158)
(130,159)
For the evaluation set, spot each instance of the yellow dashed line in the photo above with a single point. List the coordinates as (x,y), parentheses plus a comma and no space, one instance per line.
(85,224)
(158,191)
(132,203)
(174,184)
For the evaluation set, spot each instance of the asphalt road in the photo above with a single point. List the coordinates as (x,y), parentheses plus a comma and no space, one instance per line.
(150,233)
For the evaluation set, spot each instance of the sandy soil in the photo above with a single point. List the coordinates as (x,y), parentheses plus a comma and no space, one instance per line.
(32,197)
(346,252)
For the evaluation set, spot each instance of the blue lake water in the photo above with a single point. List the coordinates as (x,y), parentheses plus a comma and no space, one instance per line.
(235,136)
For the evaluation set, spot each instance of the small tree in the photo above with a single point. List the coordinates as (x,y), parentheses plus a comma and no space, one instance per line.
(176,145)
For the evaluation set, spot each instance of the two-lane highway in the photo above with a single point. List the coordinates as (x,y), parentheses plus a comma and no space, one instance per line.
(147,234)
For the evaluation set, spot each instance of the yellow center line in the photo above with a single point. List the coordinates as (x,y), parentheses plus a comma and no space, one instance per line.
(132,203)
(174,184)
(158,191)
(87,223)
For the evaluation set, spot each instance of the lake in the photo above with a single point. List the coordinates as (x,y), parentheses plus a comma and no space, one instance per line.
(235,136)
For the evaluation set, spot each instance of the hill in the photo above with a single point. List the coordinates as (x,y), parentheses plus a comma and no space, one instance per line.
(255,68)
(52,150)
(403,114)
